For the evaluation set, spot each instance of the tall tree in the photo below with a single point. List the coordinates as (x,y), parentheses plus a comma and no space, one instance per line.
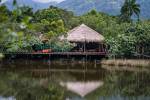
(129,8)
(14,2)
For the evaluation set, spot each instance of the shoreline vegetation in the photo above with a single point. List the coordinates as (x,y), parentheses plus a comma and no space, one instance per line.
(127,62)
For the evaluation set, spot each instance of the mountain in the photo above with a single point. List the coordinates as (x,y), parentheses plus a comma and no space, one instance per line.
(31,3)
(111,7)
(80,7)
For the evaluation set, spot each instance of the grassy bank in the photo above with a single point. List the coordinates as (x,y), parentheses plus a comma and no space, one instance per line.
(125,62)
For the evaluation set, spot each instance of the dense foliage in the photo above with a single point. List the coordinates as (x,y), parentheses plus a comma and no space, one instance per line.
(21,28)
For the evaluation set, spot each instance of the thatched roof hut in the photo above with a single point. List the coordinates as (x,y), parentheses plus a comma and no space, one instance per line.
(83,33)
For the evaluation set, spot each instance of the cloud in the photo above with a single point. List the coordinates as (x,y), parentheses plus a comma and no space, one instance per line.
(47,1)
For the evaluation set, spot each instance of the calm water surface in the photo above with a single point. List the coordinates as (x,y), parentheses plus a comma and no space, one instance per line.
(70,80)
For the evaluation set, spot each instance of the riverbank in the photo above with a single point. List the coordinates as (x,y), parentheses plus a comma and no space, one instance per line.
(125,62)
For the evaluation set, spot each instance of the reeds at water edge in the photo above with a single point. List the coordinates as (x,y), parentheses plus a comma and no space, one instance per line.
(126,62)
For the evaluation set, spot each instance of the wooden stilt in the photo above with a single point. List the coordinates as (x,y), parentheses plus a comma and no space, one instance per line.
(99,48)
(102,48)
(84,47)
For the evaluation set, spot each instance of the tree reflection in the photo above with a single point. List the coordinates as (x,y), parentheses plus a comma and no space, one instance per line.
(123,85)
(25,88)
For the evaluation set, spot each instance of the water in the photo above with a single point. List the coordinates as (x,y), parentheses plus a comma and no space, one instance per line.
(70,80)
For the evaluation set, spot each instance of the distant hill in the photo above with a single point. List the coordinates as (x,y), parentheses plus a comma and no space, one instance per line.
(80,7)
(31,3)
(111,7)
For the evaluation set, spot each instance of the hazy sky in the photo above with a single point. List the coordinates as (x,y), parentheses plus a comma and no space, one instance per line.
(41,1)
(46,1)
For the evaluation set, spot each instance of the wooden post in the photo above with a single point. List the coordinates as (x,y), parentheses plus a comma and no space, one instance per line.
(102,48)
(84,47)
(99,48)
(143,52)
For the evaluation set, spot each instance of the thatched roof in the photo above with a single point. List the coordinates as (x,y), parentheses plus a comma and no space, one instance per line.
(83,33)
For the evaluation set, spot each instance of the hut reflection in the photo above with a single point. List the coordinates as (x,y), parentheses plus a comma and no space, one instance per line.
(82,88)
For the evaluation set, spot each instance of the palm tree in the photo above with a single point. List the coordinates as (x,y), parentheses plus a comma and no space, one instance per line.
(14,2)
(129,8)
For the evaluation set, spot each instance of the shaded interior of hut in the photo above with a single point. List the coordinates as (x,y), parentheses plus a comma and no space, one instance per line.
(89,47)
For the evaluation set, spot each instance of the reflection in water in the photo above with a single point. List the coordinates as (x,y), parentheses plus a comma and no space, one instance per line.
(9,98)
(82,88)
(45,80)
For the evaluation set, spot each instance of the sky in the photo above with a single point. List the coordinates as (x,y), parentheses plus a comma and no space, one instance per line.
(41,1)
(47,1)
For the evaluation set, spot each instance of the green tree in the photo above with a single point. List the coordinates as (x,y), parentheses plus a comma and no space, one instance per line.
(4,13)
(14,2)
(129,8)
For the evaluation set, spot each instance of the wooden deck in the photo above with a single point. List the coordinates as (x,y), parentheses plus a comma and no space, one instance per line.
(56,55)
(60,53)
(73,53)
